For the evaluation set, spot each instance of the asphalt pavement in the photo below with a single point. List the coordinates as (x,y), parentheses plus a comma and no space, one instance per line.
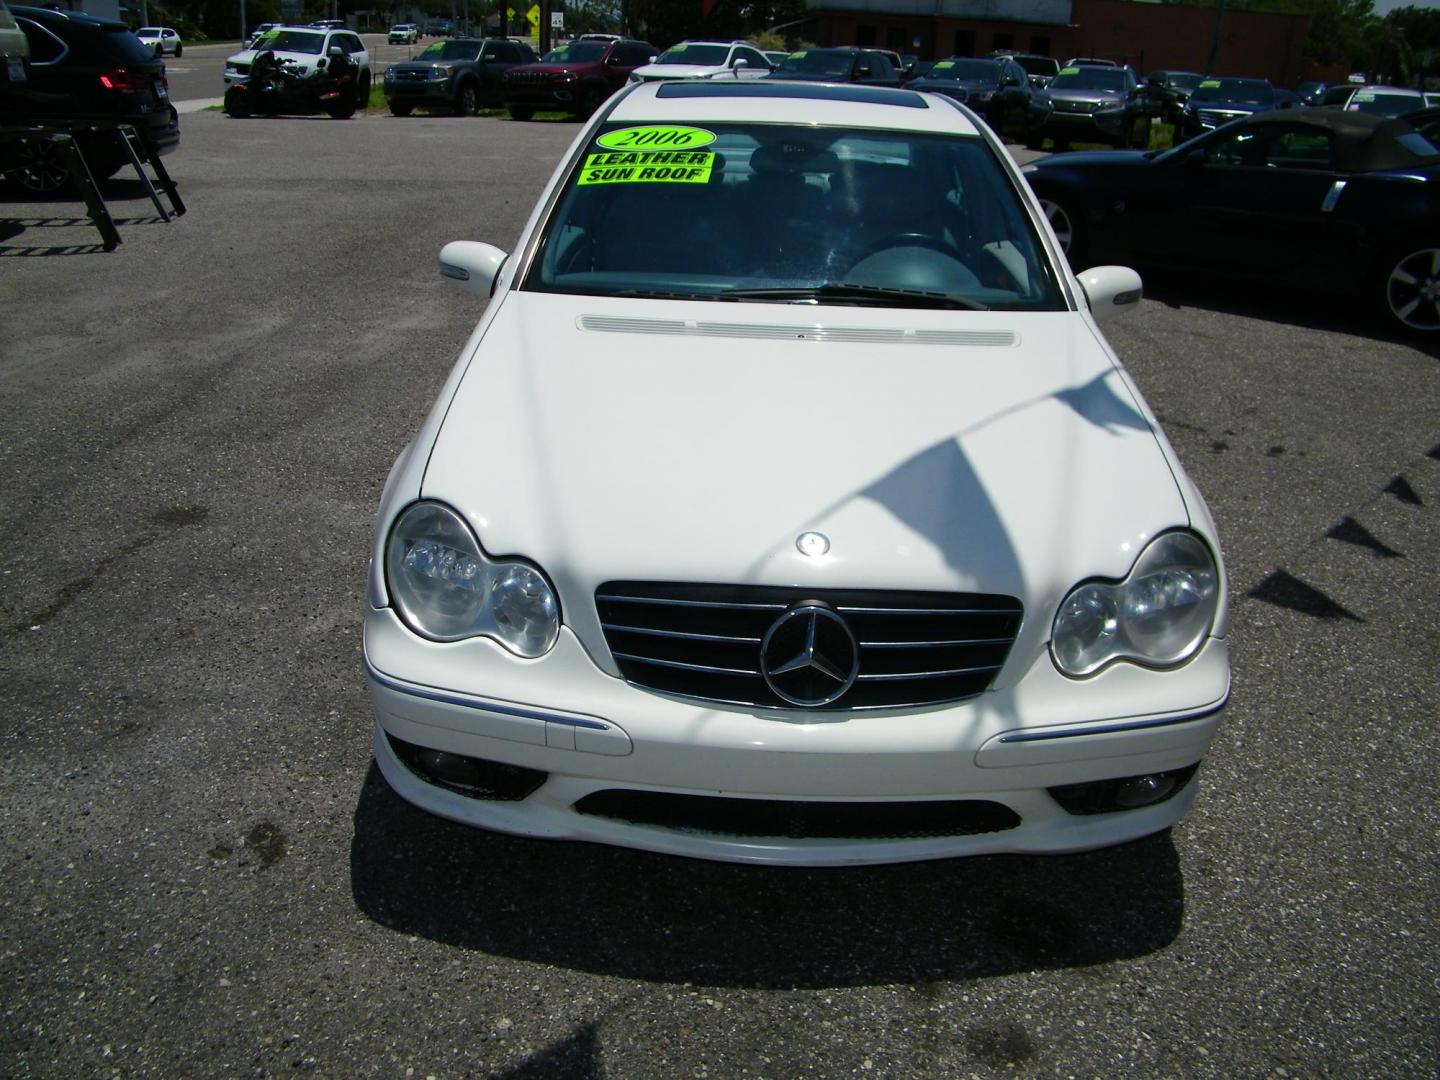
(204,875)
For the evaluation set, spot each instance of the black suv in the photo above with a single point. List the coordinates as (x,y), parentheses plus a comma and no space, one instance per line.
(868,66)
(460,74)
(84,68)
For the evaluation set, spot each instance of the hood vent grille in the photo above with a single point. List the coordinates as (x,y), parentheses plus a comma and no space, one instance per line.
(862,335)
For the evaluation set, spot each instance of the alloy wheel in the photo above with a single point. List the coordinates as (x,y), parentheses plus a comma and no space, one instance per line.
(1413,290)
(43,168)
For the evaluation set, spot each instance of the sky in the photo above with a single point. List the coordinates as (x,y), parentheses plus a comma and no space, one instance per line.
(1383,7)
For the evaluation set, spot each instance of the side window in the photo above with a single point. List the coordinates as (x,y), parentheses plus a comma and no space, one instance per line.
(751,57)
(1301,148)
(45,47)
(356,45)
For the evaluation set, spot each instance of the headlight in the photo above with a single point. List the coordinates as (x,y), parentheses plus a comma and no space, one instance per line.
(1158,616)
(439,74)
(389,74)
(446,588)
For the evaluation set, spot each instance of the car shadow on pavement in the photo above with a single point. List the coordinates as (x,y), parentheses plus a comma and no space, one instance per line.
(612,911)
(1290,307)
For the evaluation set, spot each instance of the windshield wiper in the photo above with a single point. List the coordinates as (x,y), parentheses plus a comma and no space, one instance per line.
(659,294)
(858,294)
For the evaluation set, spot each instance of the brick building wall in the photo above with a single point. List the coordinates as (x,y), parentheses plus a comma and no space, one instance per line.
(1148,36)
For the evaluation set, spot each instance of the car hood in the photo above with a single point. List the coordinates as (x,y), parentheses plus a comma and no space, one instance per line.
(554,69)
(1238,108)
(1085,95)
(1090,158)
(940,86)
(612,439)
(426,65)
(679,71)
(306,60)
(807,76)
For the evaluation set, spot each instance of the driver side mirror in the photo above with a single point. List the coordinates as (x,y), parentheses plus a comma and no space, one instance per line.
(862,69)
(740,63)
(335,50)
(474,266)
(1111,289)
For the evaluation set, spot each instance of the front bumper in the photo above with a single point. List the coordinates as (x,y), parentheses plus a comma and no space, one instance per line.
(419,93)
(589,732)
(543,95)
(1084,127)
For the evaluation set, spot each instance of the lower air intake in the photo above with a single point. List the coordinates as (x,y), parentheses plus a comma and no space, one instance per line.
(801,820)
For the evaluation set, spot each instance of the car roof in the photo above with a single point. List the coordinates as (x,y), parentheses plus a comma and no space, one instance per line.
(76,17)
(786,102)
(1364,142)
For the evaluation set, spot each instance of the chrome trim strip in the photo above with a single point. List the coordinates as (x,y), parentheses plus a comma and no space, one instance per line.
(688,603)
(798,332)
(847,710)
(935,644)
(926,674)
(1107,729)
(680,634)
(684,666)
(929,611)
(479,704)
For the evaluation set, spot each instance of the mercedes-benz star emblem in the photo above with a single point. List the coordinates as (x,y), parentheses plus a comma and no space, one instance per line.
(809,657)
(813,544)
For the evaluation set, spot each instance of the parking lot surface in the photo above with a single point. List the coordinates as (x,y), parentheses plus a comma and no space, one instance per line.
(205,875)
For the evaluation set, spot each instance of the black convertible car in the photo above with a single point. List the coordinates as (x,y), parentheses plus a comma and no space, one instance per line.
(1327,201)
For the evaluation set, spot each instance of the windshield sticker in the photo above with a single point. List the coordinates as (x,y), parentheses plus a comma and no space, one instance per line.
(798,55)
(656,138)
(648,167)
(1068,71)
(943,65)
(1365,95)
(1209,84)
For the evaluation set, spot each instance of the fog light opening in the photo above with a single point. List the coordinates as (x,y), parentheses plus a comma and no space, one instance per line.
(474,778)
(1144,790)
(1122,793)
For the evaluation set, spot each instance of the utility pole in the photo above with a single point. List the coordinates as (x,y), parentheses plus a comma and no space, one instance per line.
(542,32)
(1215,37)
(243,30)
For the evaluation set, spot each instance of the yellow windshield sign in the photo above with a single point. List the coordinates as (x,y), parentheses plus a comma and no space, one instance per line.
(655,137)
(943,65)
(1209,84)
(647,167)
(1069,71)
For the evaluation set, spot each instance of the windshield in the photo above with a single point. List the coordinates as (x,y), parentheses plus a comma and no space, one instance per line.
(709,55)
(295,41)
(450,50)
(1383,103)
(1088,78)
(816,62)
(836,214)
(967,70)
(1239,91)
(1183,82)
(579,52)
(148,31)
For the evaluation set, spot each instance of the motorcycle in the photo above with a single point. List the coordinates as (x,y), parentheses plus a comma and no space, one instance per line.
(274,86)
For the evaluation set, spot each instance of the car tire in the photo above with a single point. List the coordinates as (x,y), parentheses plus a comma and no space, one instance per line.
(398,108)
(519,113)
(467,100)
(591,99)
(178,50)
(237,104)
(1407,288)
(1034,140)
(1068,227)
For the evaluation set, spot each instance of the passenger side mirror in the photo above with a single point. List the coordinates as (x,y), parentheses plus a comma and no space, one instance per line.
(862,69)
(740,63)
(335,50)
(1111,289)
(474,266)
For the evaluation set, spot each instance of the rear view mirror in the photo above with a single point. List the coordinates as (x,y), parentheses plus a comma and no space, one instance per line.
(472,265)
(1111,289)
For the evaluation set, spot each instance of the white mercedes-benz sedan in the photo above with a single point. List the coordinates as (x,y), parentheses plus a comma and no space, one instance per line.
(788,506)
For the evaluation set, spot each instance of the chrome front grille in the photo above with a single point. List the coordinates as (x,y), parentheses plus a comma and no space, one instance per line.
(704,641)
(403,75)
(527,78)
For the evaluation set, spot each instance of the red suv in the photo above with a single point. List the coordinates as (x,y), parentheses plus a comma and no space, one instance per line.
(575,77)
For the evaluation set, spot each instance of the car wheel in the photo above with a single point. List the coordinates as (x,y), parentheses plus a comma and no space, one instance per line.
(1409,288)
(40,167)
(1066,224)
(518,113)
(590,100)
(1034,140)
(398,108)
(178,50)
(467,102)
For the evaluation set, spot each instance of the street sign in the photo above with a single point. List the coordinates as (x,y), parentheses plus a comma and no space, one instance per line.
(557,20)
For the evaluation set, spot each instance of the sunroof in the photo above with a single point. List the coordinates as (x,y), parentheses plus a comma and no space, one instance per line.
(760,88)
